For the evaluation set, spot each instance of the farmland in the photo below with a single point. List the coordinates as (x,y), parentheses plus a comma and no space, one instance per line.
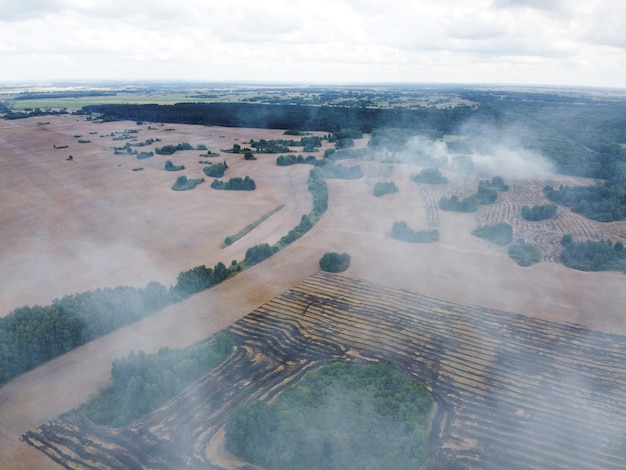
(525,364)
(506,385)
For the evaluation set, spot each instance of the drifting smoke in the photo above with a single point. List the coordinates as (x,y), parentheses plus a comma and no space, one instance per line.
(490,151)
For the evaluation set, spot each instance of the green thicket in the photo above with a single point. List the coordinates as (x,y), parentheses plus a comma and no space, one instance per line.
(386,187)
(235,184)
(401,231)
(142,382)
(500,233)
(496,183)
(258,253)
(539,212)
(30,336)
(342,416)
(169,166)
(524,253)
(430,176)
(197,279)
(186,184)
(453,203)
(287,160)
(591,255)
(334,262)
(215,170)
(171,149)
(304,226)
(604,202)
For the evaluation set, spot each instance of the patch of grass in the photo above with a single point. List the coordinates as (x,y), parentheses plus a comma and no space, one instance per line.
(248,228)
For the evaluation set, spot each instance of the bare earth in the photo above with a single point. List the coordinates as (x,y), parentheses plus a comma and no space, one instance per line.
(93,222)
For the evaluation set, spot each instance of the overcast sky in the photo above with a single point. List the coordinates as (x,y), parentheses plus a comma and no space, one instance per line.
(562,42)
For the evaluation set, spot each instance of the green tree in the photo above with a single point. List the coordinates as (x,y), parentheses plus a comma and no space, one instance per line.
(334,262)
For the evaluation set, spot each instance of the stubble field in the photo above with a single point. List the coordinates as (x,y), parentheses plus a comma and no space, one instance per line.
(70,226)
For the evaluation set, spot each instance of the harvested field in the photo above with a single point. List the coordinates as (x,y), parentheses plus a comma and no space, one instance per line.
(71,226)
(512,391)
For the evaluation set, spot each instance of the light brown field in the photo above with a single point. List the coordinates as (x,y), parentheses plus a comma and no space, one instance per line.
(93,222)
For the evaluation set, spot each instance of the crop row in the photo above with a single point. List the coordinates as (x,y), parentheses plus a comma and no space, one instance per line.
(512,391)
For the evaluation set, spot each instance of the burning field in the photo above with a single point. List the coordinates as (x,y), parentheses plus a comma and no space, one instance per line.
(512,391)
(545,389)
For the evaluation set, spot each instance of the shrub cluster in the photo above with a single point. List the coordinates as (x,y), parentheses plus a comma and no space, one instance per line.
(401,231)
(382,188)
(333,262)
(235,184)
(500,233)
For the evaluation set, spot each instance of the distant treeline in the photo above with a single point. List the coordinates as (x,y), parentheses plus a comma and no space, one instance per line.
(305,118)
(38,95)
(581,135)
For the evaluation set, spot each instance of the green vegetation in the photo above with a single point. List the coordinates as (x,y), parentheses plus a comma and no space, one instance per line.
(524,253)
(216,170)
(500,233)
(304,226)
(30,336)
(604,202)
(488,190)
(258,253)
(235,184)
(287,160)
(169,166)
(171,149)
(186,184)
(496,183)
(430,176)
(590,255)
(382,188)
(271,146)
(142,382)
(453,203)
(539,212)
(401,231)
(198,279)
(326,421)
(334,262)
(229,240)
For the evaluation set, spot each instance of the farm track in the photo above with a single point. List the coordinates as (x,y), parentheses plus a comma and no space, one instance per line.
(512,391)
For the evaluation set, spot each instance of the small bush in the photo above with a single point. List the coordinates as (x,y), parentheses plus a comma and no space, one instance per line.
(333,262)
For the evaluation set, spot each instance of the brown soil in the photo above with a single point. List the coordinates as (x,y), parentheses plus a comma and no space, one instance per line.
(71,226)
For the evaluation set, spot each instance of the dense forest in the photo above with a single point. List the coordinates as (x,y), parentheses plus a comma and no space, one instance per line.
(327,421)
(142,382)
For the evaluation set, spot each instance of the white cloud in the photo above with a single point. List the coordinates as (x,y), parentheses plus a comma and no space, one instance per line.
(560,41)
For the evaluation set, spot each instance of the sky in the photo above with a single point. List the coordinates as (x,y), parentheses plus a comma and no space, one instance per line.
(538,42)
